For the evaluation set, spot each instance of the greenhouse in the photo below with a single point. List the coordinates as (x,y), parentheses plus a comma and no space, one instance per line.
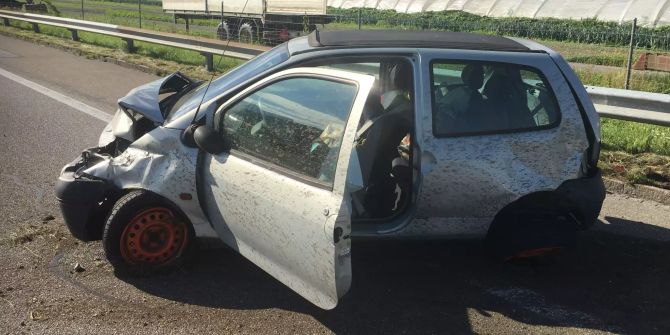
(649,13)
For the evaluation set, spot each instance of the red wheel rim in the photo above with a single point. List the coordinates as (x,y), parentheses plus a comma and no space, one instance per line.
(153,237)
(531,253)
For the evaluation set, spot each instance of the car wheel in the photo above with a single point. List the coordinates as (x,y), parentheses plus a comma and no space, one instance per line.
(144,235)
(531,234)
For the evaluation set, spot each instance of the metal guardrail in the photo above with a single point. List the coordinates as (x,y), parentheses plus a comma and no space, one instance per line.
(644,107)
(207,47)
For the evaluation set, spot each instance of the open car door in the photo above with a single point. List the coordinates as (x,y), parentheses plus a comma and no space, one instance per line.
(279,195)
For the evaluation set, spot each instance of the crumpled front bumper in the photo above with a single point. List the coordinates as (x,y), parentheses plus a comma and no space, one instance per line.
(84,200)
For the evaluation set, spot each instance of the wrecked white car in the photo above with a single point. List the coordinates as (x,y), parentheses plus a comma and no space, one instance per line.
(344,134)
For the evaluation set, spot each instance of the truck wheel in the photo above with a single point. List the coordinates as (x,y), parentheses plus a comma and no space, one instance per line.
(222,31)
(246,33)
(144,235)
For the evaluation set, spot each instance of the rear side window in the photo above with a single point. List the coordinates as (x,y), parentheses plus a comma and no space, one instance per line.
(474,98)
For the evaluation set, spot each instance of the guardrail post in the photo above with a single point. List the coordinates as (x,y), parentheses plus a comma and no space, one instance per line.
(5,21)
(630,53)
(209,61)
(359,18)
(75,35)
(139,8)
(36,28)
(130,45)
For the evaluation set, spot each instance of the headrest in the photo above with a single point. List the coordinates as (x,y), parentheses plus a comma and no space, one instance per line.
(473,76)
(401,76)
(497,87)
(373,106)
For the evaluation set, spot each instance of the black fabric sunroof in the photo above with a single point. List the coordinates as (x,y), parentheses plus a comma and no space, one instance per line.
(407,38)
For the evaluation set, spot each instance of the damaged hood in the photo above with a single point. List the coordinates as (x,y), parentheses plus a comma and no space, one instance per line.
(146,99)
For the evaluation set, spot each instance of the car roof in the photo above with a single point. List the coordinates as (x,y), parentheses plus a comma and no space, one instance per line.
(415,39)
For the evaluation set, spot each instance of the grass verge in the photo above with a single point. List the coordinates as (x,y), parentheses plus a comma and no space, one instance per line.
(157,59)
(636,153)
(635,138)
(648,81)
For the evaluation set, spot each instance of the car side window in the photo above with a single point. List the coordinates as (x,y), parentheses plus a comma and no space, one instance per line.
(371,68)
(295,123)
(472,98)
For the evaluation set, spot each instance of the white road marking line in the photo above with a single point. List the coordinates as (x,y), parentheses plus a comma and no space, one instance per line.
(76,104)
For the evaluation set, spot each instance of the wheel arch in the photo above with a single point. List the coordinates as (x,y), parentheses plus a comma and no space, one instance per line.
(543,220)
(113,194)
(168,203)
(580,198)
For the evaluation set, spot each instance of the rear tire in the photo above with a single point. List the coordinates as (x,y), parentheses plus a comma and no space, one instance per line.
(531,230)
(145,235)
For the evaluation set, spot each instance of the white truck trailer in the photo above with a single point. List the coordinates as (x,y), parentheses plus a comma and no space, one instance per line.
(270,21)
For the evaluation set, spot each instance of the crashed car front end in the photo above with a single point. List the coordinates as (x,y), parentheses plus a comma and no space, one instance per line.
(85,199)
(136,151)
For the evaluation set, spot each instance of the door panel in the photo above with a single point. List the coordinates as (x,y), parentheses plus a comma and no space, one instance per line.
(291,220)
(264,215)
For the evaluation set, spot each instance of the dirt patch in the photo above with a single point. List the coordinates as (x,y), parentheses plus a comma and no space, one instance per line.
(645,168)
(28,233)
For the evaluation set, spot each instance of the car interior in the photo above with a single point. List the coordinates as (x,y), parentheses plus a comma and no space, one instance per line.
(383,139)
(489,97)
(257,127)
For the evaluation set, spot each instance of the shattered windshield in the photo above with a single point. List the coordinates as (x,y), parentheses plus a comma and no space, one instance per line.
(257,65)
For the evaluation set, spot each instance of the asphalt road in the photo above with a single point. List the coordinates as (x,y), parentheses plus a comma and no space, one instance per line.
(615,280)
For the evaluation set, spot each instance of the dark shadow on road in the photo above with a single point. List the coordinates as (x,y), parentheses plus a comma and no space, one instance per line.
(607,282)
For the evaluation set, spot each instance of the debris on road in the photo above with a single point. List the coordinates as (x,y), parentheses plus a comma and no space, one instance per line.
(34,316)
(78,268)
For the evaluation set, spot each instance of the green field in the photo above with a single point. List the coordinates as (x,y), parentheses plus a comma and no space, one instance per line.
(127,14)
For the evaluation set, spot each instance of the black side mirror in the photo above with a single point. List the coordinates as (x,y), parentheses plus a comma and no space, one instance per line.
(187,136)
(210,141)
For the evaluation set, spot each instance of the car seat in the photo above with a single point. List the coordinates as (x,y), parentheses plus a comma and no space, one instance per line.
(506,104)
(461,108)
(377,142)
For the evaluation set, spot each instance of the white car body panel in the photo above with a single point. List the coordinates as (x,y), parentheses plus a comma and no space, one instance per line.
(471,178)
